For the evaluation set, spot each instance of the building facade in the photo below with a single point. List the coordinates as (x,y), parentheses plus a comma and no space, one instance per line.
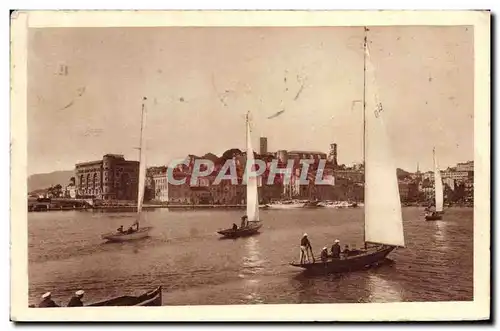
(112,178)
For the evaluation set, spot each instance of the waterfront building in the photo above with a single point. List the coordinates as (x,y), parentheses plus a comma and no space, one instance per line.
(112,178)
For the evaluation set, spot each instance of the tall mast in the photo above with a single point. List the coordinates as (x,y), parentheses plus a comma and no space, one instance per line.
(139,194)
(364,126)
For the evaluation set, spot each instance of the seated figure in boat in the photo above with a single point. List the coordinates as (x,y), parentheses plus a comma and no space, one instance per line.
(336,249)
(346,251)
(120,229)
(324,254)
(131,228)
(305,248)
(47,301)
(244,220)
(235,227)
(76,300)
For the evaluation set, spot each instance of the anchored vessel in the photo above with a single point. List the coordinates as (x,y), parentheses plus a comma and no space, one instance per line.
(383,222)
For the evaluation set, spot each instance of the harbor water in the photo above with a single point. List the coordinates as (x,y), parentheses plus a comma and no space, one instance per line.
(185,255)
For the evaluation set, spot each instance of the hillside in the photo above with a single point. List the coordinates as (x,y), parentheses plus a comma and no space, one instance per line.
(41,181)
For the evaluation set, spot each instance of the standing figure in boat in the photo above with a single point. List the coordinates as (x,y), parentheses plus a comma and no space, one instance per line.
(235,227)
(336,249)
(47,301)
(76,300)
(305,249)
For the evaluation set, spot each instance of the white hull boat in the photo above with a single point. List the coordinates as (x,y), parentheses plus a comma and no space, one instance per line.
(291,205)
(119,237)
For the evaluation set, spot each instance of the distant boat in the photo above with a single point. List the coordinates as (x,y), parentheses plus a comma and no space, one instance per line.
(438,193)
(253,223)
(286,204)
(140,232)
(383,222)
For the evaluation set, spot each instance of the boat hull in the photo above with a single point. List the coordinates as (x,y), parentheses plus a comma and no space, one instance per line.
(120,237)
(285,206)
(151,298)
(352,263)
(241,232)
(433,217)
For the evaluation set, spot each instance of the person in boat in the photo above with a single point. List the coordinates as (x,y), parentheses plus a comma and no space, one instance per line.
(133,228)
(324,254)
(120,229)
(244,220)
(235,227)
(336,249)
(47,301)
(76,300)
(346,251)
(305,248)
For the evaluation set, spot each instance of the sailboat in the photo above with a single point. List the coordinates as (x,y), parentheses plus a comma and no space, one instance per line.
(438,193)
(383,222)
(139,232)
(253,223)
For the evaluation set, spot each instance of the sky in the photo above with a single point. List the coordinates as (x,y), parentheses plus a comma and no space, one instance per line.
(85,89)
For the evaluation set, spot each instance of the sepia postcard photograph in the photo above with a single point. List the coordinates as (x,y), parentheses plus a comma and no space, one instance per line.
(250,165)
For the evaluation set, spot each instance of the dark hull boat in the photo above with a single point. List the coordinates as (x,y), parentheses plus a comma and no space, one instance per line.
(352,263)
(383,220)
(241,232)
(151,298)
(433,217)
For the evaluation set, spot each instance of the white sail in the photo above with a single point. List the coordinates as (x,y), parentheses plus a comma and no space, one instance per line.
(383,218)
(252,191)
(142,164)
(438,185)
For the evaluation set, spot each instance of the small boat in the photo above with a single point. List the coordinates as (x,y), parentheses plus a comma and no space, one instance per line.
(433,216)
(139,233)
(437,214)
(253,222)
(363,259)
(150,298)
(249,230)
(383,220)
(124,236)
(313,204)
(286,204)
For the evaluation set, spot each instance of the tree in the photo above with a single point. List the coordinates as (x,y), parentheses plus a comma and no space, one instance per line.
(72,180)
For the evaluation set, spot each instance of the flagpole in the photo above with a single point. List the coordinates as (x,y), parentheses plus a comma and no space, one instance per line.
(364,126)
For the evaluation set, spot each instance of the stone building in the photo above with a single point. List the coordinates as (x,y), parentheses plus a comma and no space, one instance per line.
(112,178)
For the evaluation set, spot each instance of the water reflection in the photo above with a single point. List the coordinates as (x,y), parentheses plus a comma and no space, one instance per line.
(252,266)
(441,234)
(383,290)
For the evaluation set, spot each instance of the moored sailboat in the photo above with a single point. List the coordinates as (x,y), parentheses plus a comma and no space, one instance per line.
(138,232)
(383,222)
(252,223)
(438,193)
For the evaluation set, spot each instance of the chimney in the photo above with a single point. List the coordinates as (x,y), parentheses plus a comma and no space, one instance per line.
(263,145)
(333,154)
